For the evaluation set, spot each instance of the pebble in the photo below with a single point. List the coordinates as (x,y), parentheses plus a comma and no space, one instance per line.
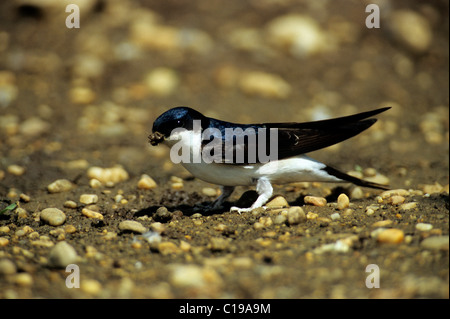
(53,216)
(411,30)
(70,204)
(265,85)
(209,191)
(91,214)
(16,170)
(311,216)
(316,201)
(424,226)
(357,193)
(59,186)
(34,126)
(177,185)
(133,226)
(108,176)
(218,244)
(162,81)
(396,200)
(162,215)
(279,219)
(168,248)
(91,287)
(295,215)
(158,227)
(193,276)
(88,199)
(81,95)
(436,242)
(7,267)
(391,236)
(408,206)
(379,179)
(277,202)
(335,216)
(394,192)
(61,255)
(343,202)
(146,182)
(23,279)
(299,35)
(4,241)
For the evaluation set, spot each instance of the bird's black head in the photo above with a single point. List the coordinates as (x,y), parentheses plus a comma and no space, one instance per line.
(177,117)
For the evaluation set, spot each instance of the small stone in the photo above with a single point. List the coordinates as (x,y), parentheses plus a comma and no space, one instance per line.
(177,186)
(436,242)
(209,191)
(335,216)
(4,241)
(379,179)
(91,287)
(396,200)
(279,219)
(88,199)
(316,201)
(277,202)
(158,227)
(357,193)
(299,35)
(34,126)
(95,183)
(61,255)
(23,279)
(168,248)
(432,188)
(70,229)
(162,81)
(311,216)
(187,276)
(295,215)
(408,206)
(146,182)
(162,215)
(424,226)
(218,244)
(265,85)
(393,192)
(108,176)
(70,204)
(25,198)
(343,202)
(53,216)
(81,95)
(59,186)
(411,30)
(133,226)
(7,267)
(391,236)
(91,214)
(16,170)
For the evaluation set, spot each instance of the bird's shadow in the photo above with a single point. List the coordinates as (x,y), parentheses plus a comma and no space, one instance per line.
(205,208)
(246,200)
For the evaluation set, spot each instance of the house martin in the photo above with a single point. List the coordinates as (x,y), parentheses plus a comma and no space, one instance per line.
(231,154)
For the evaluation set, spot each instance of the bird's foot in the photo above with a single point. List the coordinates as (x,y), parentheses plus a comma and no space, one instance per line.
(238,210)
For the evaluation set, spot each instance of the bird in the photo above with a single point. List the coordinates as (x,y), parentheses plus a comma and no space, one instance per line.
(232,154)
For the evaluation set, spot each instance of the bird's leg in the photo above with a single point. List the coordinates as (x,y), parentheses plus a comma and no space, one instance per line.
(226,192)
(264,190)
(217,204)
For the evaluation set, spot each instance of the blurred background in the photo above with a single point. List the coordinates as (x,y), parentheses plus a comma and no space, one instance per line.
(91,93)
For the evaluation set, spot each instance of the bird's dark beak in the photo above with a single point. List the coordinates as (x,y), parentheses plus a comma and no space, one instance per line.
(155,138)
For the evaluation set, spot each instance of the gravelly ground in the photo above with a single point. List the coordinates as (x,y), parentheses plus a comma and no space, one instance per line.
(71,99)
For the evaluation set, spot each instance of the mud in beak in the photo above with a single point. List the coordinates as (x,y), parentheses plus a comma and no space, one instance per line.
(155,138)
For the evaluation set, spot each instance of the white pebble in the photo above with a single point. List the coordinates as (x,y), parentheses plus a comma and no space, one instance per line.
(131,225)
(53,216)
(61,255)
(88,199)
(60,185)
(424,226)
